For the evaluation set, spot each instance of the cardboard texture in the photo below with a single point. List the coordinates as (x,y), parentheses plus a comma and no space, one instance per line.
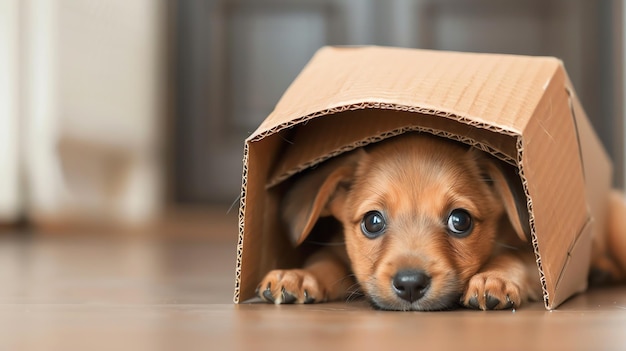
(523,110)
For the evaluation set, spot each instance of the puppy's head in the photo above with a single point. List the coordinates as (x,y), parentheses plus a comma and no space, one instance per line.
(420,217)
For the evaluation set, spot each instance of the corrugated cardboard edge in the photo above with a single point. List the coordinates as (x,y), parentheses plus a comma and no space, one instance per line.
(383,106)
(241,220)
(531,222)
(394,107)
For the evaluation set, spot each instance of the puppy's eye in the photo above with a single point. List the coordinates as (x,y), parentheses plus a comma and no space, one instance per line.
(373,224)
(460,223)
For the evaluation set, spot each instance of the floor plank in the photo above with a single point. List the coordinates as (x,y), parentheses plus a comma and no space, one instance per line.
(175,291)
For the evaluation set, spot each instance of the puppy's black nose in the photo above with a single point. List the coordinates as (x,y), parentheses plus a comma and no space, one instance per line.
(410,285)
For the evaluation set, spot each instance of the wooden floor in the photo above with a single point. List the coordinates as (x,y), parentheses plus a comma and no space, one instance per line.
(172,290)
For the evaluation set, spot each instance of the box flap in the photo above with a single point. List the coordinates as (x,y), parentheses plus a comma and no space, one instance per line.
(495,93)
(497,90)
(597,165)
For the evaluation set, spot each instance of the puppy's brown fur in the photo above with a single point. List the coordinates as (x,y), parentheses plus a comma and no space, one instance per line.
(416,184)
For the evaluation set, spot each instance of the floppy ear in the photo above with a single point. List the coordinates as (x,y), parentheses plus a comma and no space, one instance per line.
(318,193)
(512,198)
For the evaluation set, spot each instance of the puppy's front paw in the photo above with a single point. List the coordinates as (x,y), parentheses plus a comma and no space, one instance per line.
(489,291)
(291,286)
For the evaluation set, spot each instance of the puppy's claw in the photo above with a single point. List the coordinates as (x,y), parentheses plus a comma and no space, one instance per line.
(509,304)
(290,286)
(286,297)
(473,302)
(267,294)
(491,302)
(308,299)
(487,292)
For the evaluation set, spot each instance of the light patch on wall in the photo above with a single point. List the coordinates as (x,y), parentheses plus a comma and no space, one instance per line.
(9,87)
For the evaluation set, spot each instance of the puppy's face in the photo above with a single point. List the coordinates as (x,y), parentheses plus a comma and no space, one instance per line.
(420,218)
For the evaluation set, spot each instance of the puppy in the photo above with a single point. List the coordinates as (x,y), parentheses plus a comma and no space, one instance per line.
(427,223)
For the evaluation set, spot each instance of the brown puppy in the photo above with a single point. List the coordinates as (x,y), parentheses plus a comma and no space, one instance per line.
(609,251)
(427,224)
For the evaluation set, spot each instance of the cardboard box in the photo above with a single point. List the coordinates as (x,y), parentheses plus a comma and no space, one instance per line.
(523,110)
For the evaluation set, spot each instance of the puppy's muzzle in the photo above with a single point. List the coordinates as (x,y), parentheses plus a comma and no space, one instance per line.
(410,285)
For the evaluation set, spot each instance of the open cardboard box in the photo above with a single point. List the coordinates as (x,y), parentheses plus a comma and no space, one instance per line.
(522,110)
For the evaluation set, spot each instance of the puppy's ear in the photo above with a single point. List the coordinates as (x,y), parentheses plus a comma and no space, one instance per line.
(318,193)
(511,195)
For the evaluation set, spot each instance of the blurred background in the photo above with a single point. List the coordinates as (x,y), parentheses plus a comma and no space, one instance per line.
(124,111)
